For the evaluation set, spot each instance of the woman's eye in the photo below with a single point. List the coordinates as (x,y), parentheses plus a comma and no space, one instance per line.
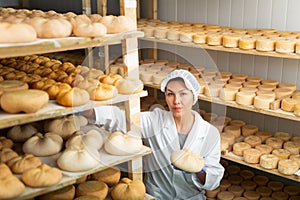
(170,94)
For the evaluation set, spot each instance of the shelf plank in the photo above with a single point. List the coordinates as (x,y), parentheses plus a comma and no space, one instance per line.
(239,160)
(52,110)
(63,44)
(276,113)
(225,49)
(69,178)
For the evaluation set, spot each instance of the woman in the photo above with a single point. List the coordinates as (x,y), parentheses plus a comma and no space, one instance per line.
(167,131)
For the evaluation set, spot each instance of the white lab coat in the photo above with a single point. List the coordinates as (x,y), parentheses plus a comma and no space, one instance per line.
(159,132)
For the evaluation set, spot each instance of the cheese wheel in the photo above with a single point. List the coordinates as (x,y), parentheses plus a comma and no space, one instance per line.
(269,82)
(186,36)
(173,34)
(283,135)
(228,94)
(297,109)
(248,185)
(237,122)
(279,195)
(266,87)
(292,190)
(240,147)
(287,166)
(245,98)
(148,31)
(263,101)
(212,193)
(249,129)
(249,89)
(264,149)
(187,160)
(67,192)
(288,104)
(225,195)
(265,44)
(264,191)
(253,140)
(228,138)
(266,93)
(235,179)
(293,87)
(247,42)
(282,92)
(236,86)
(261,180)
(251,195)
(251,84)
(285,46)
(212,90)
(214,39)
(224,184)
(269,161)
(233,169)
(251,156)
(295,158)
(263,135)
(247,174)
(292,147)
(199,38)
(236,81)
(231,40)
(235,130)
(275,185)
(237,190)
(275,143)
(160,32)
(296,139)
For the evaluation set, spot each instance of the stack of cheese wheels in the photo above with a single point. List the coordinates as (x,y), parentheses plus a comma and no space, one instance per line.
(269,161)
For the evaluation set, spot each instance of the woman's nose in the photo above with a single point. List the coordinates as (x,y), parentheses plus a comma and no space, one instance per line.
(177,99)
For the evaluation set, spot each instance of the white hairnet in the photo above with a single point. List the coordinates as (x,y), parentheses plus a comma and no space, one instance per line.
(190,82)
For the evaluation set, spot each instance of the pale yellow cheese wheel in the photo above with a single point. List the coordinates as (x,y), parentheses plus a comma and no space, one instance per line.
(285,46)
(227,137)
(245,98)
(283,135)
(275,143)
(295,158)
(292,147)
(252,156)
(288,104)
(247,42)
(235,130)
(239,148)
(262,101)
(281,153)
(228,94)
(269,82)
(249,129)
(231,40)
(199,38)
(248,89)
(253,140)
(269,161)
(236,86)
(265,44)
(291,86)
(282,92)
(287,166)
(214,39)
(263,135)
(264,149)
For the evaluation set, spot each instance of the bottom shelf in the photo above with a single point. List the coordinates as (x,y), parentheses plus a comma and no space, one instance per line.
(237,159)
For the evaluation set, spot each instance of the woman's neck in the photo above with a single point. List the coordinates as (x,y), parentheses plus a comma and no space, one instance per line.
(184,124)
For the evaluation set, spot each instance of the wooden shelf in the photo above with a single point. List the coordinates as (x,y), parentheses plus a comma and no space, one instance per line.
(52,109)
(63,44)
(70,178)
(238,159)
(276,113)
(225,49)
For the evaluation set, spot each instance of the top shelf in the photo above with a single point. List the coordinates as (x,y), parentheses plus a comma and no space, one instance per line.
(63,44)
(224,49)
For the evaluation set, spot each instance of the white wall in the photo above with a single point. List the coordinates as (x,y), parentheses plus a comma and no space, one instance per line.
(277,14)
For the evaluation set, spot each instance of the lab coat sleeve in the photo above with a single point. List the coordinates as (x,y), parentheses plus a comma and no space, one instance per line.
(214,170)
(111,118)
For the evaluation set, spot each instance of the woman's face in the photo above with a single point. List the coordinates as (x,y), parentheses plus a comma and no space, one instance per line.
(179,98)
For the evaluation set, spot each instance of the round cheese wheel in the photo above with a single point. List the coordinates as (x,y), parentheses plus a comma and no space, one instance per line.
(264,191)
(288,104)
(261,180)
(282,92)
(285,46)
(249,129)
(247,174)
(275,143)
(292,147)
(187,160)
(248,185)
(233,169)
(186,36)
(281,153)
(275,186)
(264,149)
(235,86)
(212,90)
(236,81)
(253,140)
(249,89)
(279,195)
(240,147)
(228,94)
(42,176)
(247,42)
(214,39)
(228,138)
(263,135)
(296,158)
(231,40)
(224,184)
(291,86)
(245,98)
(235,130)
(235,179)
(265,44)
(297,109)
(269,82)
(225,195)
(251,195)
(252,156)
(92,188)
(287,166)
(283,135)
(263,101)
(173,34)
(199,38)
(294,197)
(266,88)
(292,190)
(237,190)
(269,161)
(251,84)
(212,193)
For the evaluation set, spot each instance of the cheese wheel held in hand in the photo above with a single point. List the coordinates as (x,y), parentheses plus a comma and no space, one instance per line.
(187,160)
